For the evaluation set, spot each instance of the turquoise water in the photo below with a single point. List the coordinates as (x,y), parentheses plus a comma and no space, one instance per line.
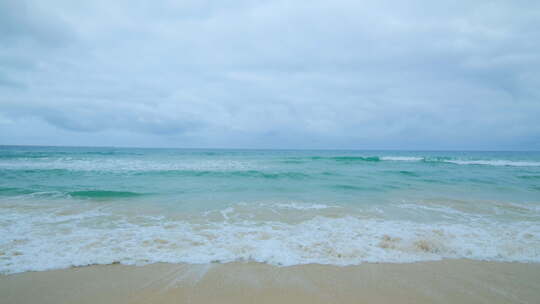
(64,206)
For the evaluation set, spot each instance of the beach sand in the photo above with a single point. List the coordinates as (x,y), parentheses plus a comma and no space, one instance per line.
(448,281)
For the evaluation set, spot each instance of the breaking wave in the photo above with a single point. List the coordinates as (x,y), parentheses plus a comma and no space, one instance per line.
(95,236)
(444,160)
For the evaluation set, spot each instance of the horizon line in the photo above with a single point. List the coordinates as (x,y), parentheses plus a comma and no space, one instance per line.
(276,149)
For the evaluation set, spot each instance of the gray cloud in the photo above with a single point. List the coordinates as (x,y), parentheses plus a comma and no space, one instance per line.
(340,74)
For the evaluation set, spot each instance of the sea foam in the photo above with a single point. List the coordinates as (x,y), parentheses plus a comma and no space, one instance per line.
(61,238)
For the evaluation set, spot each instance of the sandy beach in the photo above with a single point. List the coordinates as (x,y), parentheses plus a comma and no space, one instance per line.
(449,281)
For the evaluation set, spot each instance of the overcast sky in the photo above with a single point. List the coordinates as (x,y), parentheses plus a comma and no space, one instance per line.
(271,74)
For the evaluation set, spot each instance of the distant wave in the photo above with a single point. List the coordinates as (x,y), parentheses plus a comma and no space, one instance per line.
(408,173)
(294,160)
(493,162)
(225,173)
(356,158)
(103,194)
(173,172)
(13,191)
(402,158)
(498,162)
(529,177)
(96,193)
(120,164)
(349,187)
(24,156)
(261,168)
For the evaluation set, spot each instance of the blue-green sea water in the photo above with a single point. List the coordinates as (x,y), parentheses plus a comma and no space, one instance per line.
(67,206)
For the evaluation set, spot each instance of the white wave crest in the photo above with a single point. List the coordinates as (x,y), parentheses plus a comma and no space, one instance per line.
(401,158)
(495,162)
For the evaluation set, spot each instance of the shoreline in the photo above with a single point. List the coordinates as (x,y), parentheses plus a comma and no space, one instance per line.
(445,281)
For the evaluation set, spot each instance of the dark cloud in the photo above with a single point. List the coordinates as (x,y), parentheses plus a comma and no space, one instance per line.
(341,74)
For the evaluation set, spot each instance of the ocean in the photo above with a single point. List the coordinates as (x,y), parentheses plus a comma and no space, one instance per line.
(73,206)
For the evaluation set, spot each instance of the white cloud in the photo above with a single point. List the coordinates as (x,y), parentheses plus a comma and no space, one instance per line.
(321,74)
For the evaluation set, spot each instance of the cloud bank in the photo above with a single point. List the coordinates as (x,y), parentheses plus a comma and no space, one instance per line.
(271,74)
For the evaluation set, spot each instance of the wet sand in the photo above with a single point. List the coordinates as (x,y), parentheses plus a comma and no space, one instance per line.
(449,281)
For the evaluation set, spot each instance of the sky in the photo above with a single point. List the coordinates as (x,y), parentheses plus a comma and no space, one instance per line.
(340,74)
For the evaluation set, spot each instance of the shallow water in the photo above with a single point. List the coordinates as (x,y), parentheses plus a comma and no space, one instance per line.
(63,206)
